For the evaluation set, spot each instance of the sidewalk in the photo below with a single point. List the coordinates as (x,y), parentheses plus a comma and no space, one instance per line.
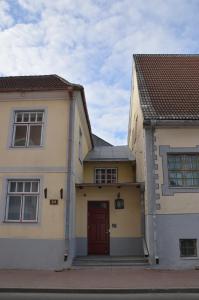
(101,278)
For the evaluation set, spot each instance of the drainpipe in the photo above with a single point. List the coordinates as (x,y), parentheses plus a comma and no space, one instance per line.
(70,188)
(151,197)
(153,125)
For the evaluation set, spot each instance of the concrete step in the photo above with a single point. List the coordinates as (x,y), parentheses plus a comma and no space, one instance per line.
(110,261)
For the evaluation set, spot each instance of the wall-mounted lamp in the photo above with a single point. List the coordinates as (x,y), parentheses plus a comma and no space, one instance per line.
(119,202)
(61,193)
(45,193)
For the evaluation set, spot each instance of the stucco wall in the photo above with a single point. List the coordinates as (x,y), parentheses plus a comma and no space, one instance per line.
(136,138)
(125,170)
(54,151)
(127,219)
(51,217)
(126,238)
(183,138)
(80,123)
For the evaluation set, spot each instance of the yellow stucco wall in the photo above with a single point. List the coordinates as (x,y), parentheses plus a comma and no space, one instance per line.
(128,219)
(51,217)
(54,151)
(44,160)
(125,170)
(136,136)
(80,123)
(176,137)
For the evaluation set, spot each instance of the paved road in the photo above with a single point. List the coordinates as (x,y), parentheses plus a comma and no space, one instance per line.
(52,296)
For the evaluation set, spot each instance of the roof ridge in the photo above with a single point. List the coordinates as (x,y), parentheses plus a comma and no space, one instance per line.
(68,82)
(166,54)
(44,75)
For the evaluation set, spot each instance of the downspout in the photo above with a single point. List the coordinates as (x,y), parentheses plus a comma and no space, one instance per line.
(153,124)
(151,196)
(68,256)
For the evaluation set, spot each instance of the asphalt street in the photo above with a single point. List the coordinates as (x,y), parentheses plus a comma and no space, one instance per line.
(147,296)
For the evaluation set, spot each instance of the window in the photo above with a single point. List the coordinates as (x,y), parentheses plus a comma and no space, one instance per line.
(105,175)
(22,201)
(80,146)
(188,247)
(183,170)
(27,128)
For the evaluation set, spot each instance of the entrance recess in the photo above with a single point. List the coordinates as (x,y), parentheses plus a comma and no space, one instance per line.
(98,227)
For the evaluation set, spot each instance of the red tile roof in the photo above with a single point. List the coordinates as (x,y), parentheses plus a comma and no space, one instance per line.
(168,86)
(34,83)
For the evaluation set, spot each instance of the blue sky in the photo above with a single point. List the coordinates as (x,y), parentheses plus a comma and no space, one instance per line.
(91,42)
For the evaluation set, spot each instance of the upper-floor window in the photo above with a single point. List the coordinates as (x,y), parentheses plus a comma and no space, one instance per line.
(106,175)
(183,170)
(27,128)
(22,201)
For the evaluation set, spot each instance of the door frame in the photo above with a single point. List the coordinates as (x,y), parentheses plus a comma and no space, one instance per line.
(108,224)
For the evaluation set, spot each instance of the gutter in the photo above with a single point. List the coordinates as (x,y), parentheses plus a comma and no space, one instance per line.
(170,123)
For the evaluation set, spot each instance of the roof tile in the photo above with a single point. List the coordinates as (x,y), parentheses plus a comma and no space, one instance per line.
(168,85)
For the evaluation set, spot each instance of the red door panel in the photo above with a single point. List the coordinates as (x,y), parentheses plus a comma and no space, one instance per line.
(98,227)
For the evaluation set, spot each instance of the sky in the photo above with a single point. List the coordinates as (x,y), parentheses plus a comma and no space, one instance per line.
(92,42)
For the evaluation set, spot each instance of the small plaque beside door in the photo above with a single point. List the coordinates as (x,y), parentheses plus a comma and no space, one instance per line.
(53,201)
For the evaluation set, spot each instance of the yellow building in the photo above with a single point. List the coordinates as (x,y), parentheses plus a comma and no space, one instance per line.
(45,133)
(64,192)
(163,135)
(70,198)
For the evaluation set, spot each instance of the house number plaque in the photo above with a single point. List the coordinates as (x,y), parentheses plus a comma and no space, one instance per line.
(53,201)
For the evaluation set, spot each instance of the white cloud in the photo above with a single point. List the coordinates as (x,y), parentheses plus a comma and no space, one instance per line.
(5,17)
(91,43)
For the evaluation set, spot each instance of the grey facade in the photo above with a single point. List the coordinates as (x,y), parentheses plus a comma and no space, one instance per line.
(18,253)
(171,228)
(118,246)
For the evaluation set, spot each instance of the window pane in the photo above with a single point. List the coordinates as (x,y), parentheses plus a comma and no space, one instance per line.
(27,187)
(196,178)
(34,187)
(188,176)
(14,207)
(19,117)
(39,117)
(35,135)
(12,187)
(32,117)
(188,247)
(20,135)
(19,187)
(30,208)
(26,117)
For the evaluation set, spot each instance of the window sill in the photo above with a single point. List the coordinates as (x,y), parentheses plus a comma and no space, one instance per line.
(18,222)
(190,258)
(27,148)
(184,187)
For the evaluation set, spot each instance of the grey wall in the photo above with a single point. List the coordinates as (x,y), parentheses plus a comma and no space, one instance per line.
(171,228)
(31,254)
(126,246)
(118,246)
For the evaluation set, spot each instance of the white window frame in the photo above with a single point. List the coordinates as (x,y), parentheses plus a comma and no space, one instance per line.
(28,124)
(106,179)
(22,195)
(183,170)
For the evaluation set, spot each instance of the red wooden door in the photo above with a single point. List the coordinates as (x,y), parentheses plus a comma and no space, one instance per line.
(98,227)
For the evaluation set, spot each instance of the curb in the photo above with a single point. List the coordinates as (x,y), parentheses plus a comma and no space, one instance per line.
(100,291)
